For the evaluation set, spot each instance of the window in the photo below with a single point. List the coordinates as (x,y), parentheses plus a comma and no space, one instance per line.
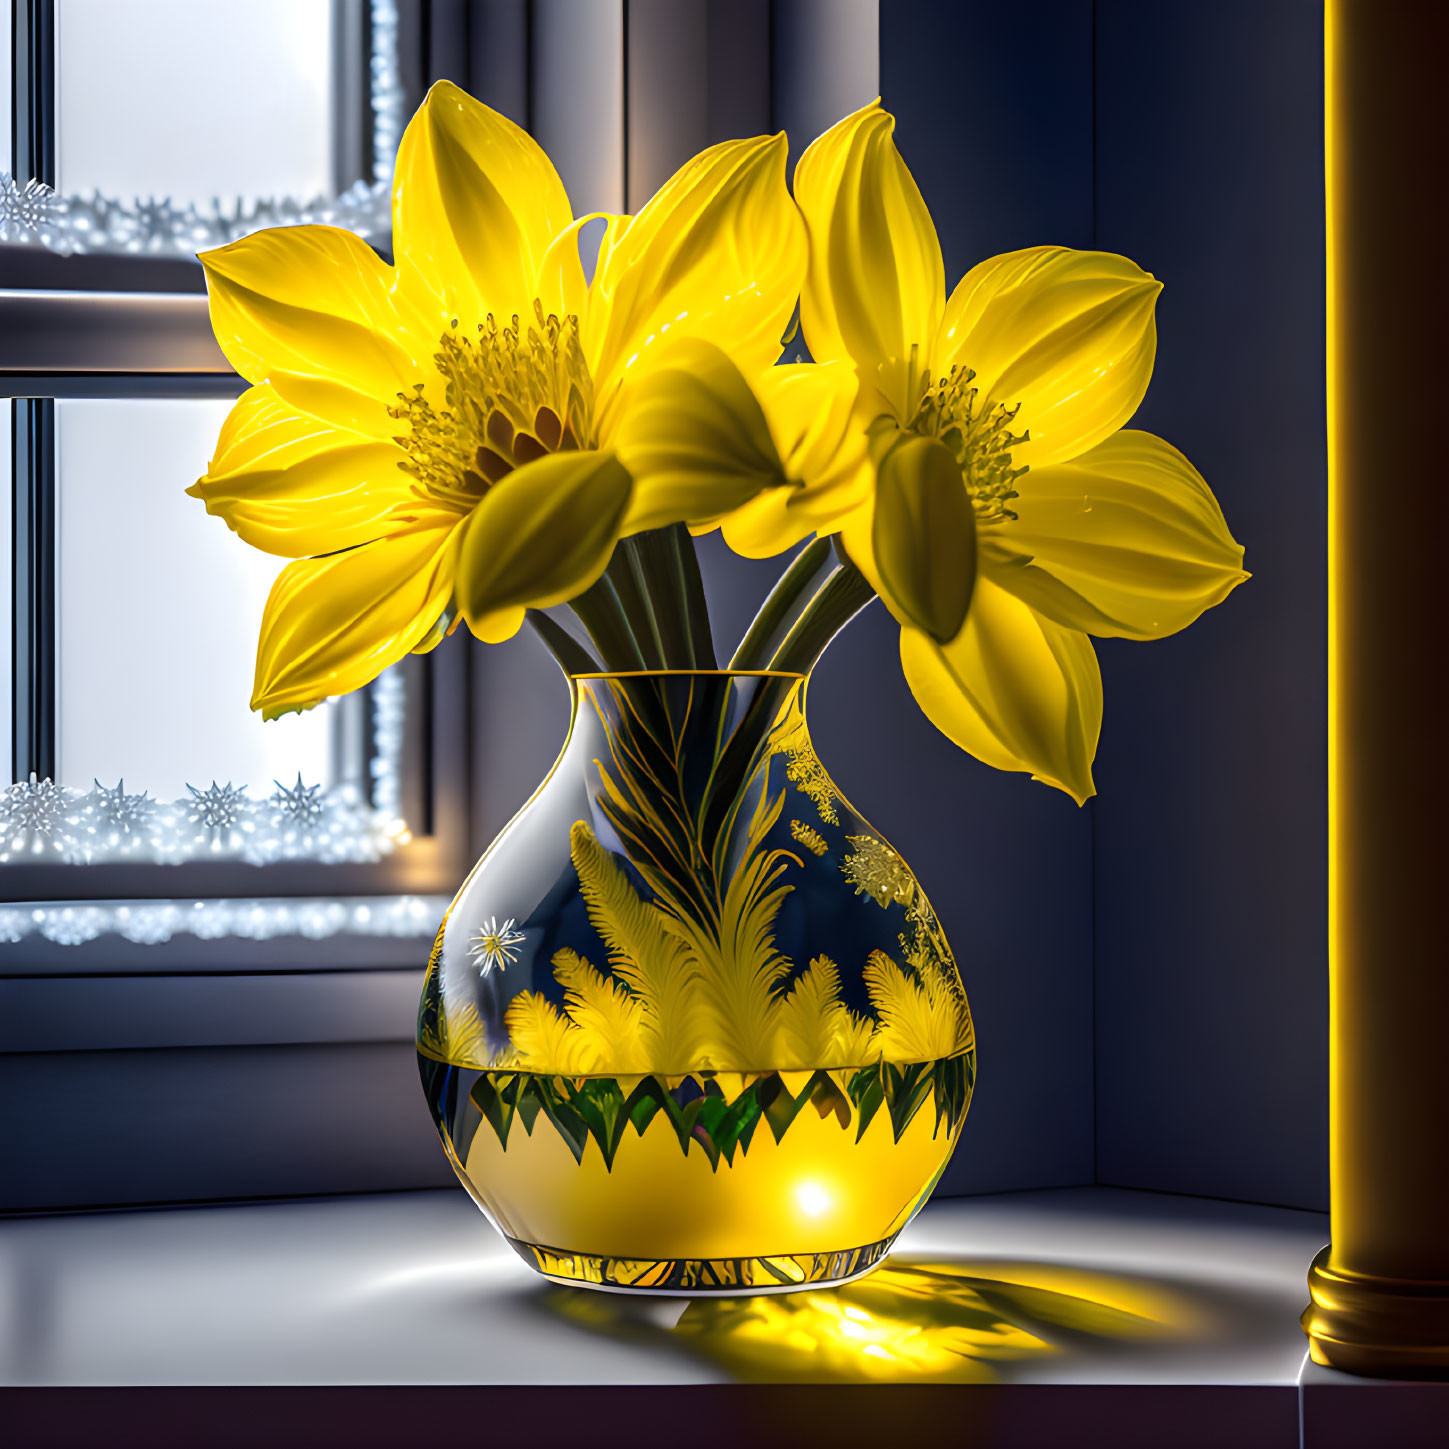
(142,798)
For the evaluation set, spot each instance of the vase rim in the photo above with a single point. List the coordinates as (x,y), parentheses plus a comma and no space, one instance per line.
(712,673)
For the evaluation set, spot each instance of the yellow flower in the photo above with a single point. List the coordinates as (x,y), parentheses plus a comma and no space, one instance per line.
(987,492)
(470,431)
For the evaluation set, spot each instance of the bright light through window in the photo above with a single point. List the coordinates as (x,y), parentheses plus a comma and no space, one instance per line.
(191,99)
(6,586)
(5,88)
(158,614)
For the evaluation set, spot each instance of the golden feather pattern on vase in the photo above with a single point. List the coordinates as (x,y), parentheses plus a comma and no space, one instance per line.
(692,980)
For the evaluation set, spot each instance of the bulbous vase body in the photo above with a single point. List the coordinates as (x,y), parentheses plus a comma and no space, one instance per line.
(691,1025)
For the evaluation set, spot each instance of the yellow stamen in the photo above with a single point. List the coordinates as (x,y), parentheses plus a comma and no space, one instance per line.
(981,441)
(509,396)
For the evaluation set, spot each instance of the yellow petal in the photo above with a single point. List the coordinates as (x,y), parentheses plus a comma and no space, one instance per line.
(1069,336)
(1013,689)
(476,206)
(338,405)
(718,252)
(876,285)
(290,485)
(810,411)
(540,537)
(693,437)
(311,300)
(333,624)
(923,537)
(561,285)
(1125,541)
(262,431)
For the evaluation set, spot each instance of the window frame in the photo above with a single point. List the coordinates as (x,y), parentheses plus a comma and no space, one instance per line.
(111,326)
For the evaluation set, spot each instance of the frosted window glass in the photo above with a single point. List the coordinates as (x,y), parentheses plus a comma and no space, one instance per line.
(159,605)
(6,591)
(194,99)
(5,23)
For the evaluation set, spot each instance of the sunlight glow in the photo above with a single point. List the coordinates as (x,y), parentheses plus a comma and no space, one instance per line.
(813,1200)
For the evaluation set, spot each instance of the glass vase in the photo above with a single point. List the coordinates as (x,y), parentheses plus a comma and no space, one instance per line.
(691,1026)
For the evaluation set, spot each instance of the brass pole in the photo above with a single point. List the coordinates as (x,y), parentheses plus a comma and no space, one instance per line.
(1381,1290)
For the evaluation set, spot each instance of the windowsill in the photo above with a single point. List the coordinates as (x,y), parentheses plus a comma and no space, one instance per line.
(1130,1317)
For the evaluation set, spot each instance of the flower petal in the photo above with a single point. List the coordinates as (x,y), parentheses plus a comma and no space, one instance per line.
(290,485)
(717,252)
(312,300)
(810,409)
(540,537)
(1014,689)
(923,537)
(876,285)
(1126,541)
(476,206)
(337,404)
(1068,335)
(694,438)
(561,285)
(333,624)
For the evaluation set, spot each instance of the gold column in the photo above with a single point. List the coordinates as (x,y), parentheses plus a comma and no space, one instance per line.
(1381,1290)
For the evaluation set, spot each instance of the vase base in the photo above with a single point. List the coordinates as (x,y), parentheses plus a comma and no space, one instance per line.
(702,1277)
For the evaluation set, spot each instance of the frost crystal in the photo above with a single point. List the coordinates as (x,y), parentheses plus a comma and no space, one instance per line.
(122,815)
(36,808)
(218,808)
(300,805)
(27,213)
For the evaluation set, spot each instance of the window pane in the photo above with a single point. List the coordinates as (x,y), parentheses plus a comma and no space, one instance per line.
(6,587)
(159,605)
(5,23)
(194,99)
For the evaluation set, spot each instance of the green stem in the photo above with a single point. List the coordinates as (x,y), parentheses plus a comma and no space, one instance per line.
(600,612)
(763,637)
(696,606)
(627,573)
(659,565)
(838,600)
(568,653)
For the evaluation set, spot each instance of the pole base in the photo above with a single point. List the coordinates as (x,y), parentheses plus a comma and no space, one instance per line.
(1388,1328)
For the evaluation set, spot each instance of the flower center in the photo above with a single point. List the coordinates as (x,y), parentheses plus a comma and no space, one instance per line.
(981,439)
(510,395)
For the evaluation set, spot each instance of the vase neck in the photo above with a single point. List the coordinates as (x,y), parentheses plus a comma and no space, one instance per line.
(694,713)
(692,733)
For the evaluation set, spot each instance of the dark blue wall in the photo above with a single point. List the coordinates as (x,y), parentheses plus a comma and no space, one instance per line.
(1211,828)
(1188,137)
(994,104)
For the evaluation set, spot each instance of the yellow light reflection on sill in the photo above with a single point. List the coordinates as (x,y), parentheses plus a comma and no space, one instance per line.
(906,1322)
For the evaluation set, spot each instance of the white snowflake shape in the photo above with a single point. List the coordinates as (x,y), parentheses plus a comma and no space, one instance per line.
(124,815)
(36,807)
(25,211)
(217,808)
(495,946)
(298,805)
